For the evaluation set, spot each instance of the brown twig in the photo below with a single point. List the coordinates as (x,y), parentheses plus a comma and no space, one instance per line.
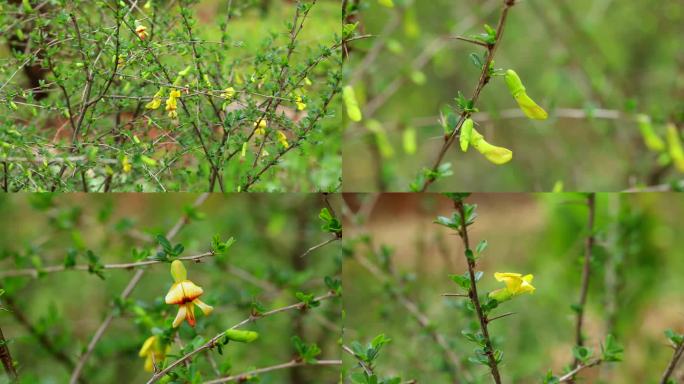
(570,376)
(673,363)
(6,358)
(291,364)
(472,292)
(586,272)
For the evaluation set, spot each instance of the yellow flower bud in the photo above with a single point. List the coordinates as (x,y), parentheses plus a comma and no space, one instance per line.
(497,155)
(126,165)
(353,110)
(178,271)
(675,146)
(261,128)
(300,103)
(228,93)
(282,139)
(527,105)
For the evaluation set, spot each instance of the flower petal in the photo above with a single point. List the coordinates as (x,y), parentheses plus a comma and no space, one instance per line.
(204,307)
(147,345)
(178,271)
(190,314)
(180,316)
(530,108)
(149,365)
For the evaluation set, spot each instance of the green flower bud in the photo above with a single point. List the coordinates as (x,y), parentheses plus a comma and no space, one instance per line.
(675,146)
(241,336)
(466,134)
(651,139)
(527,105)
(353,110)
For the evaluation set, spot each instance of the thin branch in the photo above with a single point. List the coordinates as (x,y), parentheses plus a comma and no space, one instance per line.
(6,358)
(291,364)
(673,363)
(485,76)
(366,368)
(34,272)
(216,339)
(124,295)
(586,272)
(570,376)
(474,298)
(321,245)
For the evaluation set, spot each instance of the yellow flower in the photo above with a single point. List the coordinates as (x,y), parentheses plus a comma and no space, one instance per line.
(228,93)
(156,100)
(301,105)
(185,294)
(497,155)
(261,128)
(126,165)
(141,31)
(282,139)
(516,284)
(172,103)
(154,352)
(154,104)
(528,106)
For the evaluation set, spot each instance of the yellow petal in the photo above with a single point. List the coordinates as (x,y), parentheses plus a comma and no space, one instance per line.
(154,104)
(497,155)
(149,365)
(530,108)
(180,316)
(183,292)
(147,345)
(204,307)
(178,271)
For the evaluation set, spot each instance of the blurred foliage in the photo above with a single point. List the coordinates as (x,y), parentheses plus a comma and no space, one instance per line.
(594,65)
(635,290)
(262,270)
(86,95)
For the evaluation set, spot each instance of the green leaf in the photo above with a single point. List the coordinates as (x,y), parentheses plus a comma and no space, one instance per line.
(581,353)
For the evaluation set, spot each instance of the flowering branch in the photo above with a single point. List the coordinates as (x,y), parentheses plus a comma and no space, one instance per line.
(124,295)
(485,76)
(216,339)
(290,364)
(472,293)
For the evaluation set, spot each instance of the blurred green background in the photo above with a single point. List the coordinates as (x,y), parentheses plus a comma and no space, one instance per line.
(271,232)
(635,288)
(602,58)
